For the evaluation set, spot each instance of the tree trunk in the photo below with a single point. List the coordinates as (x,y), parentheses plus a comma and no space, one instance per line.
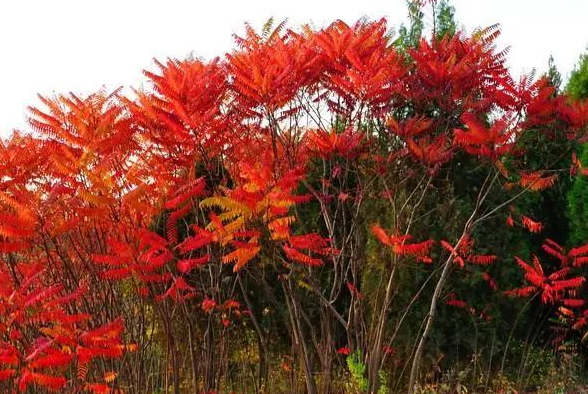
(433,311)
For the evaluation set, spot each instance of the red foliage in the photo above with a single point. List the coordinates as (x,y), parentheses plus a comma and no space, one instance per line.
(493,141)
(399,243)
(345,351)
(552,288)
(464,253)
(531,225)
(211,166)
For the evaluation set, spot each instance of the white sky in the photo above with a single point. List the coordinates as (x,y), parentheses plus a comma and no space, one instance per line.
(59,46)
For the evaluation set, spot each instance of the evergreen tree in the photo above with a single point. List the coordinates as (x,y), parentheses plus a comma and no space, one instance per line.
(410,35)
(445,19)
(577,198)
(553,73)
(577,86)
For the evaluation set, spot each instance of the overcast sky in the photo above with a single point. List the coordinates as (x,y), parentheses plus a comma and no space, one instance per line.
(59,46)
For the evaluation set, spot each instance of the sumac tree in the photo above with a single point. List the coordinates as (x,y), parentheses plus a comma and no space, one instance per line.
(259,217)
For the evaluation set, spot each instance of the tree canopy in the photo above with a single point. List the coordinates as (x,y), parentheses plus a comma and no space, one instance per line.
(318,210)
